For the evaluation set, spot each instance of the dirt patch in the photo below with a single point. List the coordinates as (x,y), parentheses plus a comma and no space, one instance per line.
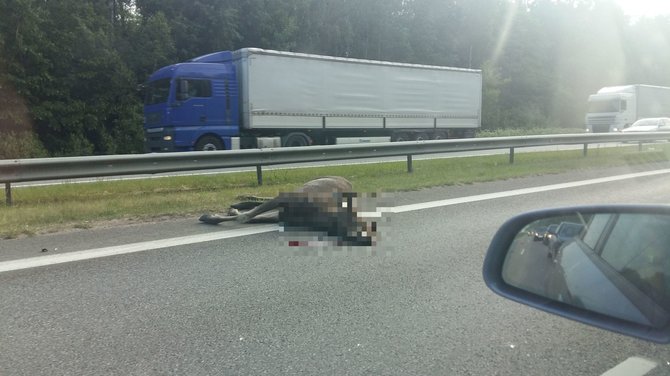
(103,224)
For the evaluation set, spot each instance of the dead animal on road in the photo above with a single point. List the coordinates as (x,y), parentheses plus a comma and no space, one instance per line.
(325,206)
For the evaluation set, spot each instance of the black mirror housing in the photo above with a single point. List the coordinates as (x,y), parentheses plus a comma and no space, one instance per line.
(515,257)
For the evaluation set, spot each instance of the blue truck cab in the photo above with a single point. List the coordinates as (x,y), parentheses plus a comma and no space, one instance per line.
(192,105)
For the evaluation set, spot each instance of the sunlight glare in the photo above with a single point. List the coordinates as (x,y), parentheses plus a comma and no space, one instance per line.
(644,8)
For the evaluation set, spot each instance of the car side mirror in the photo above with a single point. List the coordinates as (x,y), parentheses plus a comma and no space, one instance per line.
(605,266)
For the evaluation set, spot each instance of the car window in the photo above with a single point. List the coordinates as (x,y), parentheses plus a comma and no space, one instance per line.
(632,232)
(193,88)
(645,122)
(570,230)
(638,247)
(595,229)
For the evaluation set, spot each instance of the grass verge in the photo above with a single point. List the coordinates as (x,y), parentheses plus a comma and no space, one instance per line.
(61,207)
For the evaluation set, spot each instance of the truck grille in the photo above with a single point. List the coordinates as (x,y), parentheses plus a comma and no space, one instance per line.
(600,124)
(600,128)
(152,118)
(601,120)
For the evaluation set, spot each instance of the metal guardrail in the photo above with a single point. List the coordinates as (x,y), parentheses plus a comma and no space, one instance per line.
(39,169)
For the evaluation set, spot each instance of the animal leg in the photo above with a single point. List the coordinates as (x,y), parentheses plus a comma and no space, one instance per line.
(246,205)
(214,219)
(254,198)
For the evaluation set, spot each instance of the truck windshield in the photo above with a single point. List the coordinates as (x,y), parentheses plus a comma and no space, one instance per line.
(157,91)
(611,105)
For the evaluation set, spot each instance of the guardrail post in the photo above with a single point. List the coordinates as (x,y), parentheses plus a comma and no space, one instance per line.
(511,155)
(586,149)
(259,174)
(8,194)
(409,163)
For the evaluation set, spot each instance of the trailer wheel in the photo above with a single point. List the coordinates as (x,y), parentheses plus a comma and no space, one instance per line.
(295,139)
(422,137)
(400,137)
(208,143)
(440,136)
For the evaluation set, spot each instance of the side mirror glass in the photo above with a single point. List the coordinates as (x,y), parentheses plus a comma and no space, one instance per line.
(604,266)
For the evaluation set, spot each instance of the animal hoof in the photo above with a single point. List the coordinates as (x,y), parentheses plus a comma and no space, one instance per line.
(233,212)
(210,219)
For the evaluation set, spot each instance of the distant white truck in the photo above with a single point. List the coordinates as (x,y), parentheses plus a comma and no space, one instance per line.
(615,108)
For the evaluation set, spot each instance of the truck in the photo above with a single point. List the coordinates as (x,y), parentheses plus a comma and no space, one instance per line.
(614,108)
(255,98)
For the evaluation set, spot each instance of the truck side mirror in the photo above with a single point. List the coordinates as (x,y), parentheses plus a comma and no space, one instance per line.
(606,266)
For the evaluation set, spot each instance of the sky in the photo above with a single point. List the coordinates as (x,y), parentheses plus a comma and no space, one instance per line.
(638,8)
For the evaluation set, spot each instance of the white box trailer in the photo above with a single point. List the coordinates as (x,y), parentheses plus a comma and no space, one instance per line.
(351,97)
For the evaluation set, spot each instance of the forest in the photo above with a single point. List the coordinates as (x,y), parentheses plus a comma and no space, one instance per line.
(70,70)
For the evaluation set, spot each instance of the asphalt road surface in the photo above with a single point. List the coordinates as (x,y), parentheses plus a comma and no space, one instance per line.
(415,304)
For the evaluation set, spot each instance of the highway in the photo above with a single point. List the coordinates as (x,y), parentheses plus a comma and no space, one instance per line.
(191,299)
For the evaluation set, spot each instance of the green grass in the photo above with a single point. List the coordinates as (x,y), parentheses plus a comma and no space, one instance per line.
(61,207)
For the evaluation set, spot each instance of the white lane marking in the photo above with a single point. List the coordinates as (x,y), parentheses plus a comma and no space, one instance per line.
(33,262)
(632,366)
(192,239)
(518,192)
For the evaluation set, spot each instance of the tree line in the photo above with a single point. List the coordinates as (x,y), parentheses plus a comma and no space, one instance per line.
(70,69)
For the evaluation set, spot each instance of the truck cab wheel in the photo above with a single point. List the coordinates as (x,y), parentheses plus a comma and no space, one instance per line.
(208,143)
(295,139)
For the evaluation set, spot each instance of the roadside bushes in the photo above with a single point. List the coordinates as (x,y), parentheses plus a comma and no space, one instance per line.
(15,145)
